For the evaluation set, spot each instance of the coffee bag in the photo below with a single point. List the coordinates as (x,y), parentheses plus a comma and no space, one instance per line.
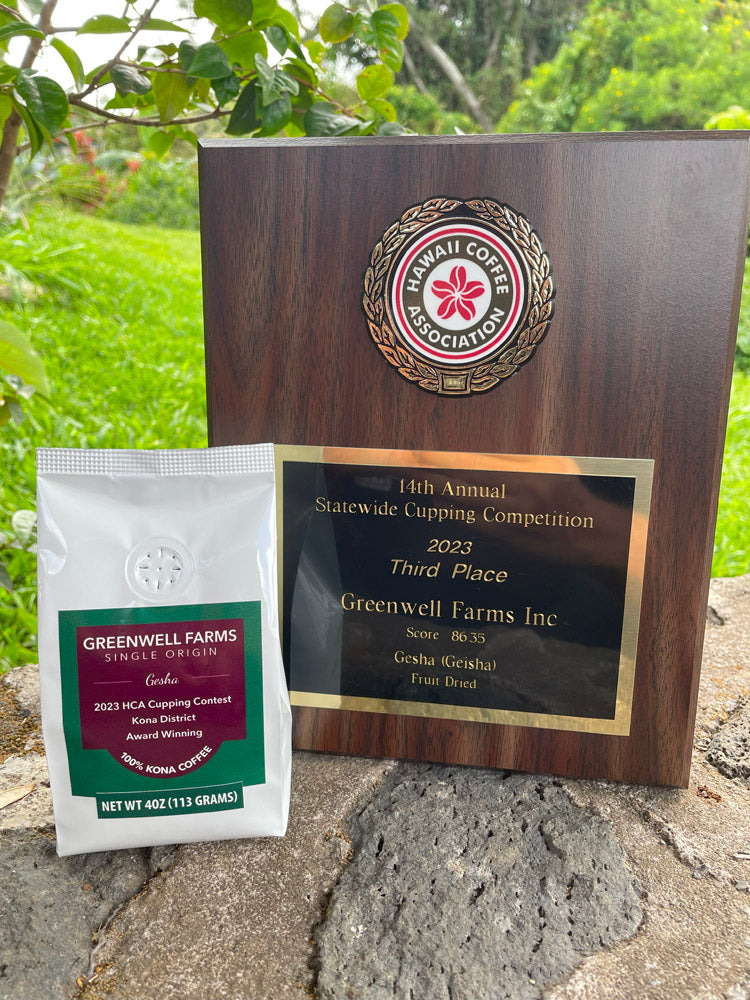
(164,706)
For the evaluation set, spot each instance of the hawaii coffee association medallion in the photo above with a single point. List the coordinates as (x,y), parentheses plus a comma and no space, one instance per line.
(458,294)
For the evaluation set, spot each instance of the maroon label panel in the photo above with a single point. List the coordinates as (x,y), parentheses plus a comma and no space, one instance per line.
(162,697)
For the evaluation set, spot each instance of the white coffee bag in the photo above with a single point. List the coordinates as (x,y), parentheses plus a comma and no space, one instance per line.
(164,705)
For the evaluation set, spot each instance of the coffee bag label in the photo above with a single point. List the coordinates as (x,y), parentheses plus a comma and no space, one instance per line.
(166,699)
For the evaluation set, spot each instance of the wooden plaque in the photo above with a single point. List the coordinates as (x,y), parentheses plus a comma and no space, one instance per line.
(508,358)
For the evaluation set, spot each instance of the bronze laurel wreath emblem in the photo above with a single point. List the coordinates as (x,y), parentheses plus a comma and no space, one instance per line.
(534,324)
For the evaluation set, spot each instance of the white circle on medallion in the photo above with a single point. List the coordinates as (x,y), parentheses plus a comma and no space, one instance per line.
(457,293)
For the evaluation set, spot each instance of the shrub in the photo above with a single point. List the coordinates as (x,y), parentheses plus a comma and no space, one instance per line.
(157,193)
(423,114)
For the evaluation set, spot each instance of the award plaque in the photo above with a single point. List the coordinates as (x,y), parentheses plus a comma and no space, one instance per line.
(497,372)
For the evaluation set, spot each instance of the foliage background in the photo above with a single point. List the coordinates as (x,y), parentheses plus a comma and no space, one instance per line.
(99,254)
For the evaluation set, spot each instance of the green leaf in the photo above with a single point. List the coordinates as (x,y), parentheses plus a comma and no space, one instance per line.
(128,80)
(105,24)
(276,115)
(316,51)
(11,30)
(287,20)
(171,94)
(243,48)
(169,49)
(209,62)
(157,24)
(374,81)
(16,412)
(364,30)
(201,86)
(5,581)
(19,357)
(23,523)
(393,57)
(227,88)
(45,99)
(186,134)
(323,119)
(244,118)
(72,61)
(267,78)
(35,134)
(393,128)
(160,143)
(120,101)
(383,108)
(264,10)
(386,28)
(385,24)
(402,17)
(302,102)
(229,15)
(187,51)
(303,69)
(274,82)
(277,36)
(735,117)
(336,24)
(6,106)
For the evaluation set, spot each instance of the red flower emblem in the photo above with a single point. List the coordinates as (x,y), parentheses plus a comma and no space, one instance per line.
(457,294)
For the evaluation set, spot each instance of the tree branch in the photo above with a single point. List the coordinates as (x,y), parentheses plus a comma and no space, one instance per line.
(492,50)
(35,44)
(453,73)
(413,72)
(149,122)
(12,125)
(152,122)
(166,67)
(10,12)
(142,21)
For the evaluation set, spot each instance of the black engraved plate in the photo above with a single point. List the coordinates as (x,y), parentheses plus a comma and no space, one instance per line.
(506,590)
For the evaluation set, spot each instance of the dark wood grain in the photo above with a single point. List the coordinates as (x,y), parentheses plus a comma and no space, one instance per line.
(646,235)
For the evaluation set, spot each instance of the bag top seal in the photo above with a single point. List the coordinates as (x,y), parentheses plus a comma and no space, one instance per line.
(232,459)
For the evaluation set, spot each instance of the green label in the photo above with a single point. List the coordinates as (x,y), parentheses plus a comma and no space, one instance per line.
(175,802)
(154,697)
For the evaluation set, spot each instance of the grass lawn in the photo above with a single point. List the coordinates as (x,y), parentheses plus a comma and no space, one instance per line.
(124,352)
(732,543)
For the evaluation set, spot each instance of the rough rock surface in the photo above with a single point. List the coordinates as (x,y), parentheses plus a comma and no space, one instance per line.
(33,810)
(51,908)
(234,919)
(470,884)
(729,749)
(240,919)
(690,849)
(24,685)
(19,723)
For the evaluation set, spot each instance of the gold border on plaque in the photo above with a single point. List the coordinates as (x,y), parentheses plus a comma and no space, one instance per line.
(640,469)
